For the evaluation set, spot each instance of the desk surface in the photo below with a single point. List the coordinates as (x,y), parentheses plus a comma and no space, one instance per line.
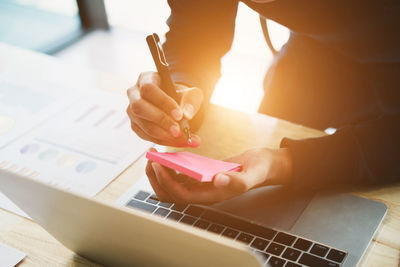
(245,131)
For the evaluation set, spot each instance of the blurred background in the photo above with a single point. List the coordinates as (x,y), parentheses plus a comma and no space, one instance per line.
(110,35)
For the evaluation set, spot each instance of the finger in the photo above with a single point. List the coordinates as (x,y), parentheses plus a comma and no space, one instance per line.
(162,175)
(157,132)
(160,192)
(190,182)
(191,102)
(160,99)
(147,111)
(182,194)
(207,193)
(236,159)
(152,130)
(148,77)
(133,94)
(181,142)
(235,181)
(182,179)
(139,132)
(149,85)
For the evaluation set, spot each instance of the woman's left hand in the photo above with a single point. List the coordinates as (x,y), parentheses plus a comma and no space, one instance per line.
(260,167)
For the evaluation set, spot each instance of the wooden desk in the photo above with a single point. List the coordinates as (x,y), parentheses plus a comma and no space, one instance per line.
(241,131)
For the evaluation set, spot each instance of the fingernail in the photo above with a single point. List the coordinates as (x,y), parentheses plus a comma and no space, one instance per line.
(175,131)
(188,110)
(177,114)
(221,180)
(195,141)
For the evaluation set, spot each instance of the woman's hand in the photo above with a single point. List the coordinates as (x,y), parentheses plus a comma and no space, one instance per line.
(154,115)
(259,167)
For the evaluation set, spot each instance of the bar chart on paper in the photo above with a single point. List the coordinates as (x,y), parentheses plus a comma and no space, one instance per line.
(24,104)
(81,147)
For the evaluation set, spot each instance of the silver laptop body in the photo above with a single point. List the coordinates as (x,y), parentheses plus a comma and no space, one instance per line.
(339,220)
(124,237)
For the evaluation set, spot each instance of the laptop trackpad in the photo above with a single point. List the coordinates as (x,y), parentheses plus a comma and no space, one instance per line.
(274,206)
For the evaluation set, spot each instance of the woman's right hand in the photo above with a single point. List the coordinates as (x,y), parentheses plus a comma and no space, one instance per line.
(154,115)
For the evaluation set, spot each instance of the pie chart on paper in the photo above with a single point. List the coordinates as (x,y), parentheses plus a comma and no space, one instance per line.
(6,123)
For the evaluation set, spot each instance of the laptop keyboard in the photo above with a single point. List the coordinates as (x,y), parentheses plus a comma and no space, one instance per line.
(276,247)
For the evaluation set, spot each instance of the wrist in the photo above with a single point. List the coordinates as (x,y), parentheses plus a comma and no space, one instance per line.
(280,167)
(286,166)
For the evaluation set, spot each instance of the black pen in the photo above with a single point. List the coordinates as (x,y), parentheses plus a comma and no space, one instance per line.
(153,41)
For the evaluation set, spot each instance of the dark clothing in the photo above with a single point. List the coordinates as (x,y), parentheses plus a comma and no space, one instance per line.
(340,68)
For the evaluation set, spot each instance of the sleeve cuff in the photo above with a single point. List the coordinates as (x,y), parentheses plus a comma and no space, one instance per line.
(323,162)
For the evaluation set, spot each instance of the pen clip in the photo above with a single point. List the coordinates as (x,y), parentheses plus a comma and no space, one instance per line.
(156,49)
(160,61)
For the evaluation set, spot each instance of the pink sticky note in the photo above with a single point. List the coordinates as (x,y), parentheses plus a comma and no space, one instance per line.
(193,165)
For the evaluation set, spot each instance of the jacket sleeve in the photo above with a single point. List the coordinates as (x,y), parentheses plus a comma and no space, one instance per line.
(200,33)
(359,29)
(366,153)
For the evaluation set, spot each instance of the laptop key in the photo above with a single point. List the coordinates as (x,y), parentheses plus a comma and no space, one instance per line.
(336,255)
(216,228)
(141,195)
(239,224)
(302,244)
(202,224)
(276,262)
(153,196)
(259,243)
(291,254)
(291,264)
(311,260)
(319,250)
(284,239)
(230,233)
(165,205)
(245,238)
(161,212)
(188,220)
(194,211)
(152,201)
(141,205)
(179,207)
(175,216)
(275,249)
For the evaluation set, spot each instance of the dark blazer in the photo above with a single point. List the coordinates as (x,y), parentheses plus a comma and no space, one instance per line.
(340,68)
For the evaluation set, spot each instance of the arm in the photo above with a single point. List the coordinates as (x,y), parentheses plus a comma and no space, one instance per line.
(361,154)
(201,32)
(366,153)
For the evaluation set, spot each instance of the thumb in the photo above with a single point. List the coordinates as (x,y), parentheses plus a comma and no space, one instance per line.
(234,181)
(191,101)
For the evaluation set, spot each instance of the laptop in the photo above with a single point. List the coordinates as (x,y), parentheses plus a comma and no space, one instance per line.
(269,226)
(286,227)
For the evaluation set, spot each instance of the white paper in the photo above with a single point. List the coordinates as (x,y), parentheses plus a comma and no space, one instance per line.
(10,257)
(6,204)
(25,103)
(81,147)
